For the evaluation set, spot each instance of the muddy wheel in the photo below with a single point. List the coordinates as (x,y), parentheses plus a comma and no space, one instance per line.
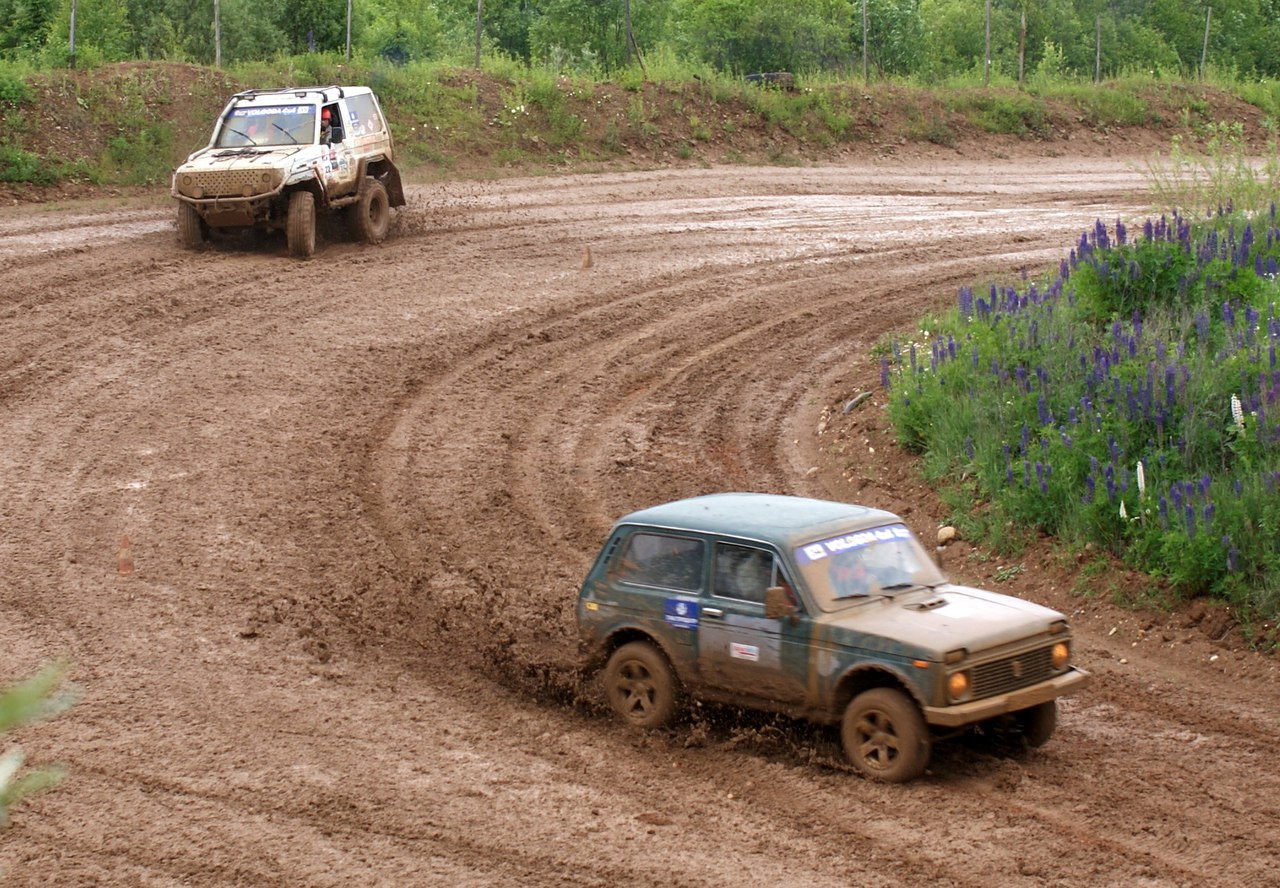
(640,685)
(884,736)
(1038,722)
(301,231)
(192,231)
(370,216)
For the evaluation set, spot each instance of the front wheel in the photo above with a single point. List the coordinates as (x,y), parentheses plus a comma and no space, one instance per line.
(301,224)
(884,736)
(370,216)
(640,685)
(1037,723)
(192,231)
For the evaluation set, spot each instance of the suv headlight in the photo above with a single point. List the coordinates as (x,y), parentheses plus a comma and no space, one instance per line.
(1060,656)
(958,685)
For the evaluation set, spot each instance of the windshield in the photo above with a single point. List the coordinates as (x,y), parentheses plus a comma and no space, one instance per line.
(268,125)
(847,568)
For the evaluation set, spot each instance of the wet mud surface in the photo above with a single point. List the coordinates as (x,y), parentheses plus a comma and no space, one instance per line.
(359,493)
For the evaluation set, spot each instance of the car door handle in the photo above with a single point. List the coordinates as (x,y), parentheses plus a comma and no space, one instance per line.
(712,612)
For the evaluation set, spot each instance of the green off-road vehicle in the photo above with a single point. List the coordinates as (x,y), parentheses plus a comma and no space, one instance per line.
(279,156)
(823,610)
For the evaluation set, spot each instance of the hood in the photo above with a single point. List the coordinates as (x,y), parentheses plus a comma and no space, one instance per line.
(241,158)
(930,622)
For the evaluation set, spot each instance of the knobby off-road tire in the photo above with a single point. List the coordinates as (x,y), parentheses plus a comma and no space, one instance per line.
(301,224)
(192,231)
(641,685)
(884,736)
(370,216)
(1038,722)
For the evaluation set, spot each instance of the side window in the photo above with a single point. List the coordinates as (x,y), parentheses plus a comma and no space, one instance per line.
(653,559)
(743,572)
(363,118)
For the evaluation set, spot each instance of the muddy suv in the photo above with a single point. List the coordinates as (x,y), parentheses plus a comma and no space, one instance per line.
(279,156)
(822,610)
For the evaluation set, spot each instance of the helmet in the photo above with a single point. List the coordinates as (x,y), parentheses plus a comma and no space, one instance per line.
(325,114)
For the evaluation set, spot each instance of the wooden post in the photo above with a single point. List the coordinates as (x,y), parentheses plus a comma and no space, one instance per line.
(866,78)
(479,28)
(1022,46)
(1097,49)
(1204,50)
(217,33)
(348,30)
(626,23)
(72,51)
(986,66)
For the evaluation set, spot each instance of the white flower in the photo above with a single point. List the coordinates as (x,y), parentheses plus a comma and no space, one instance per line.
(1237,412)
(1142,481)
(1123,513)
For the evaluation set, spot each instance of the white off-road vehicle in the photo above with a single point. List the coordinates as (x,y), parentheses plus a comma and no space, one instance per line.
(279,156)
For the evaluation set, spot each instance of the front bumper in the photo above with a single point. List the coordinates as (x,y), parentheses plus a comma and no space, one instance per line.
(979,710)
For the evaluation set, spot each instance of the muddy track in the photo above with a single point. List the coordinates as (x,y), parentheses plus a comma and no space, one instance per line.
(360,492)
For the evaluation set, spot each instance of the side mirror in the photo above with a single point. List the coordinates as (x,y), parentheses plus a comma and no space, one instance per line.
(778,603)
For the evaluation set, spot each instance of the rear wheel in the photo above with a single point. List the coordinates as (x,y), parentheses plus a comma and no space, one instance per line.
(640,685)
(884,736)
(301,224)
(192,231)
(370,216)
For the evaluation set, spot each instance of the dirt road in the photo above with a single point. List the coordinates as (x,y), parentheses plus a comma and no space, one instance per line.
(359,493)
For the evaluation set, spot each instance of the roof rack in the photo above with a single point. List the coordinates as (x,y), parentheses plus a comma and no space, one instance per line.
(299,91)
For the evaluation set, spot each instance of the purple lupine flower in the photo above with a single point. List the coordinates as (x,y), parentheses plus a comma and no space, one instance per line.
(1026,437)
(968,447)
(1026,473)
(1232,555)
(884,372)
(1163,508)
(1071,416)
(1202,325)
(1089,489)
(1208,515)
(1042,411)
(975,357)
(1190,514)
(1109,475)
(1238,487)
(1228,314)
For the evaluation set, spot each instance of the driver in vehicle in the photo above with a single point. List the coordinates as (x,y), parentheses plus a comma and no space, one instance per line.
(849,576)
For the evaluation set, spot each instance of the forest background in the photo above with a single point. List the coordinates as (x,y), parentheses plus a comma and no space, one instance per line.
(928,41)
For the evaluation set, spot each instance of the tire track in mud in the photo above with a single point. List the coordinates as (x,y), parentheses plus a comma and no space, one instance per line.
(399,462)
(681,391)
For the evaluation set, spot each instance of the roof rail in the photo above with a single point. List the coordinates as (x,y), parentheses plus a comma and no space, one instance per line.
(285,90)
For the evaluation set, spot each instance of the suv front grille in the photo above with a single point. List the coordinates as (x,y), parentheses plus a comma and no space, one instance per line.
(227,183)
(1011,673)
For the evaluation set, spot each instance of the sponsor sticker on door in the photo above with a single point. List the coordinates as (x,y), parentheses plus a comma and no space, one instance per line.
(744,652)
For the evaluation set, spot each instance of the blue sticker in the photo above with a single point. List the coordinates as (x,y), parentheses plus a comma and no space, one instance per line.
(680,613)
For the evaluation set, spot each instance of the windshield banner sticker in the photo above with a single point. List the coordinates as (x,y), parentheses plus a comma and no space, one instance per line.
(277,109)
(812,552)
(680,613)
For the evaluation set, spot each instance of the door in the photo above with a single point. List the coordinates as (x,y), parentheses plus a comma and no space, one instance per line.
(740,650)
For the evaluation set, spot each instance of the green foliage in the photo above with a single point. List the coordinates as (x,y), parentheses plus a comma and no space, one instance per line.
(1126,402)
(743,36)
(1220,174)
(1001,111)
(27,702)
(14,87)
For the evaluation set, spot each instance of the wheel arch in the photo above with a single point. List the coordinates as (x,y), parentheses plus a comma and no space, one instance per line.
(864,678)
(382,169)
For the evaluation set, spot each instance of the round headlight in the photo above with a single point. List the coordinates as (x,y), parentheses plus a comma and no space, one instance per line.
(186,180)
(957,685)
(1061,655)
(197,192)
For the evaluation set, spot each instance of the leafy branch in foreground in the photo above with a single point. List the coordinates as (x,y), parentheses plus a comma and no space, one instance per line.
(32,700)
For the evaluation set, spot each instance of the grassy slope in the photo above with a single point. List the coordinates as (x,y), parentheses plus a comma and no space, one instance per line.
(129,124)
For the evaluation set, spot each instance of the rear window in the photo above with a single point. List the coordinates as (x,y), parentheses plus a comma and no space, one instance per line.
(660,560)
(363,116)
